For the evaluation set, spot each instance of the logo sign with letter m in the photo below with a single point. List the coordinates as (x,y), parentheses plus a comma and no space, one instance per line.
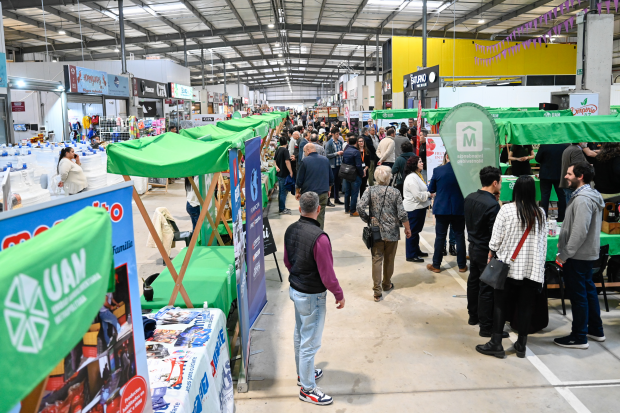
(469,136)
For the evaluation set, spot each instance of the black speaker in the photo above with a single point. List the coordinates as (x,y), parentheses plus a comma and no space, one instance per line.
(547,106)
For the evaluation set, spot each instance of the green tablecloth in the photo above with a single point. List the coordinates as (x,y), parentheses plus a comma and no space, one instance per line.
(206,279)
(508,183)
(606,239)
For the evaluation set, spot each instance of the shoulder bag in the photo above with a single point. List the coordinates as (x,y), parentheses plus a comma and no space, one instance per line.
(372,233)
(348,172)
(496,271)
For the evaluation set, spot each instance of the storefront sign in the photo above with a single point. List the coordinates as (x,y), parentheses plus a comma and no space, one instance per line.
(3,77)
(584,104)
(83,80)
(207,119)
(118,86)
(178,91)
(18,106)
(143,88)
(230,100)
(423,79)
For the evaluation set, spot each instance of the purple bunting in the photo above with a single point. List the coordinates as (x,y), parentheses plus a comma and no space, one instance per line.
(566,5)
(555,12)
(566,25)
(616,5)
(578,2)
(561,8)
(607,5)
(572,3)
(504,54)
(572,20)
(545,16)
(536,21)
(599,6)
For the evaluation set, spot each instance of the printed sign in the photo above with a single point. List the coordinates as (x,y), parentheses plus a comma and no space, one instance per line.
(143,88)
(18,106)
(423,79)
(435,152)
(178,91)
(583,104)
(149,109)
(469,136)
(83,80)
(118,86)
(3,77)
(207,119)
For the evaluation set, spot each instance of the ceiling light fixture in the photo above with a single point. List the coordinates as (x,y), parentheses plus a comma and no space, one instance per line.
(481,21)
(279,54)
(270,25)
(116,49)
(61,31)
(443,7)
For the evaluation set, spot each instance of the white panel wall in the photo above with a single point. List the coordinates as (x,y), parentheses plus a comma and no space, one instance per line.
(231,89)
(301,95)
(500,96)
(51,108)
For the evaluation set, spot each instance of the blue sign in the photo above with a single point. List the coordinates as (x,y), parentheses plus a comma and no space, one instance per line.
(118,86)
(3,77)
(257,291)
(83,80)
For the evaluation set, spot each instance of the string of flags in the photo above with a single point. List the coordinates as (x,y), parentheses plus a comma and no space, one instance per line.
(499,50)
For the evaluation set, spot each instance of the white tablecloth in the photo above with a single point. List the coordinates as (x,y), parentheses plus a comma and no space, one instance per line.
(193,377)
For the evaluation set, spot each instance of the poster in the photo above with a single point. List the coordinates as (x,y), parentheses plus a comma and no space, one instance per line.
(207,119)
(257,291)
(3,77)
(583,104)
(118,86)
(109,364)
(83,80)
(435,152)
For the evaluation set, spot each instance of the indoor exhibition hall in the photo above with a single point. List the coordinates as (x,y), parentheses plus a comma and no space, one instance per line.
(350,206)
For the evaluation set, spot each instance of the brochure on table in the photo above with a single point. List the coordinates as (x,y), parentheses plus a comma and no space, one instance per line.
(107,370)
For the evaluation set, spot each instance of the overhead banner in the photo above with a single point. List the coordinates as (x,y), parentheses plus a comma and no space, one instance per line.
(107,369)
(207,119)
(3,77)
(255,256)
(118,86)
(83,80)
(471,139)
(143,88)
(178,91)
(583,104)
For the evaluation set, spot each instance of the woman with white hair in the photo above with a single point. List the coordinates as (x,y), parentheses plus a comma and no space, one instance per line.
(386,209)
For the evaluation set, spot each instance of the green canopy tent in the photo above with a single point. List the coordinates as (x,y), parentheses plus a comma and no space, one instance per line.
(214,133)
(43,325)
(261,128)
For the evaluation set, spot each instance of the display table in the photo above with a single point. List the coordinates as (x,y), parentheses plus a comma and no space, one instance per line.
(606,239)
(508,183)
(268,184)
(208,278)
(189,365)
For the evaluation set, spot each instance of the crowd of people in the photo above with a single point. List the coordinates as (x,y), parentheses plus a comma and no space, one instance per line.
(382,175)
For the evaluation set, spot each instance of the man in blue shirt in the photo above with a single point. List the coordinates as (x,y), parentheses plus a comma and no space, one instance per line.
(315,175)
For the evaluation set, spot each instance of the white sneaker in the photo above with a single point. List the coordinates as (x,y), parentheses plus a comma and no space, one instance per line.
(315,396)
(318,373)
(596,338)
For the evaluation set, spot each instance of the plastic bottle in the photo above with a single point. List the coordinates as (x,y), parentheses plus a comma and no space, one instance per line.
(205,309)
(553,228)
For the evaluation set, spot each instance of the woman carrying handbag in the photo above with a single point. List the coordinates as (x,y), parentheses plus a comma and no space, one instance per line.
(516,269)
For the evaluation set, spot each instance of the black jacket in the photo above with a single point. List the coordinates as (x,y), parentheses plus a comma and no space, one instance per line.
(550,159)
(481,208)
(299,240)
(352,156)
(607,176)
(371,148)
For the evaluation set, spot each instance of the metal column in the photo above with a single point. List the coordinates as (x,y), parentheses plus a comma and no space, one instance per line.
(377,55)
(121,28)
(364,65)
(185,50)
(202,62)
(65,116)
(224,77)
(238,84)
(422,94)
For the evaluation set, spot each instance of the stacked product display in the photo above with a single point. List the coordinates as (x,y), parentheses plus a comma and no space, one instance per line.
(93,168)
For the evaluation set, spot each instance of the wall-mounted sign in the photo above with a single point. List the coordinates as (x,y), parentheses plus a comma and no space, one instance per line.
(143,88)
(118,86)
(230,100)
(423,79)
(18,106)
(149,109)
(584,104)
(246,101)
(3,77)
(387,87)
(178,91)
(207,119)
(83,80)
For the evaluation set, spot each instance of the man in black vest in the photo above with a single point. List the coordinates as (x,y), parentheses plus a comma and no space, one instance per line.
(308,257)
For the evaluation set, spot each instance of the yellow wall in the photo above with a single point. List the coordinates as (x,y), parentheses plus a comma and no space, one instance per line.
(557,59)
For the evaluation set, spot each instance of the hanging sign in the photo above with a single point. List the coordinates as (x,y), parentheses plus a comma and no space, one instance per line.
(207,119)
(18,106)
(583,104)
(3,77)
(423,79)
(118,86)
(143,88)
(178,91)
(83,80)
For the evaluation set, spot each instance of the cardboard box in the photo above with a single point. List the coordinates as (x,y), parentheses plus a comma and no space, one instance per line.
(610,227)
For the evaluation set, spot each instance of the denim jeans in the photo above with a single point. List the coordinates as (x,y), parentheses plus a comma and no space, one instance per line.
(568,192)
(336,187)
(309,323)
(107,318)
(416,223)
(583,299)
(281,194)
(194,214)
(457,222)
(351,192)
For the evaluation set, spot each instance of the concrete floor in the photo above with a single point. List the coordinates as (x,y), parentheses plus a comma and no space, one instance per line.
(413,351)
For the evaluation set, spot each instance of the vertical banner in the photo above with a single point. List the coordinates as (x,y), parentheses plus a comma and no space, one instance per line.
(419,126)
(471,139)
(240,266)
(435,152)
(257,291)
(107,370)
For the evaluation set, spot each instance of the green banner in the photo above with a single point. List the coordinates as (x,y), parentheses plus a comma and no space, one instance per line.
(470,136)
(51,288)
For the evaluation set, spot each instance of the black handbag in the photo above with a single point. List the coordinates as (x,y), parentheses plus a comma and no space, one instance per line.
(348,172)
(372,234)
(496,271)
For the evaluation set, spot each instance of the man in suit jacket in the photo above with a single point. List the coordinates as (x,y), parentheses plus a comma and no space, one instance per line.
(550,159)
(448,209)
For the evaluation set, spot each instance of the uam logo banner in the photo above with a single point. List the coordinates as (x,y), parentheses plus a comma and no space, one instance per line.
(469,136)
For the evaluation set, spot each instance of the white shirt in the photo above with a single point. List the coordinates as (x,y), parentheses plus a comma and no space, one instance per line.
(507,232)
(385,150)
(415,193)
(191,197)
(72,176)
(291,145)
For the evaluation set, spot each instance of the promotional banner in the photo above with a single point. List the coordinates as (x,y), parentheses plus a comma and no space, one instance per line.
(107,369)
(143,88)
(207,119)
(118,86)
(435,152)
(83,80)
(240,262)
(583,104)
(470,137)
(3,77)
(181,91)
(257,291)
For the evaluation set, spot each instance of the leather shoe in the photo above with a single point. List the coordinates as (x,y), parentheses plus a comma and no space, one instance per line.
(433,269)
(473,320)
(493,347)
(453,249)
(423,254)
(484,333)
(338,202)
(445,251)
(355,214)
(329,204)
(464,269)
(415,259)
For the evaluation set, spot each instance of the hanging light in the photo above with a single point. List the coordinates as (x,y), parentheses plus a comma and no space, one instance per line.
(277,44)
(61,31)
(279,54)
(116,49)
(481,21)
(270,25)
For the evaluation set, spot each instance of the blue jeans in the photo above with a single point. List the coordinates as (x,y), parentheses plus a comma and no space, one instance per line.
(309,323)
(416,223)
(451,236)
(583,299)
(351,192)
(107,318)
(194,214)
(282,193)
(457,223)
(567,193)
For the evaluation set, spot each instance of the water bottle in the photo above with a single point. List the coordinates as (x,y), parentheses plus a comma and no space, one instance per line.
(205,310)
(553,228)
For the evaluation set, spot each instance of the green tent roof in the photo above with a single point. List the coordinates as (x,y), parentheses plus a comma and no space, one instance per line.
(216,133)
(169,155)
(238,125)
(272,120)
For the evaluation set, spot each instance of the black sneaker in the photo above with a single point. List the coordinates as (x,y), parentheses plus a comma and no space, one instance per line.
(473,320)
(445,251)
(453,250)
(329,203)
(571,342)
(594,337)
(285,212)
(415,259)
(423,254)
(318,373)
(484,333)
(315,396)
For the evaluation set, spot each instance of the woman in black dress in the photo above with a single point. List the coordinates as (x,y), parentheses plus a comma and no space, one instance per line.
(520,156)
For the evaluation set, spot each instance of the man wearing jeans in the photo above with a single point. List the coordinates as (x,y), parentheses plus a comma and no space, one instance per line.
(284,169)
(308,257)
(315,175)
(352,156)
(579,246)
